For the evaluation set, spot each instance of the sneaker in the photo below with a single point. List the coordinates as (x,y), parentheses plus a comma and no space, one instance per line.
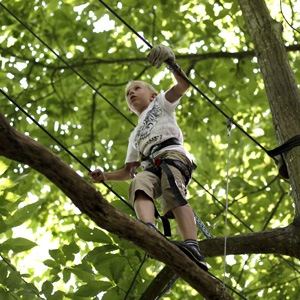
(150,225)
(193,253)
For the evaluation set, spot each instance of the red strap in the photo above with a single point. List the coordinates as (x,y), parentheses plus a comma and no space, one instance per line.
(157,162)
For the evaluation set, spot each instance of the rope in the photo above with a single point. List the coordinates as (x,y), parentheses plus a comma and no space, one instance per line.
(229,128)
(199,222)
(67,64)
(185,78)
(61,145)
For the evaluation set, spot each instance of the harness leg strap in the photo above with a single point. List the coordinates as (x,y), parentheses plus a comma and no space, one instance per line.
(165,222)
(172,183)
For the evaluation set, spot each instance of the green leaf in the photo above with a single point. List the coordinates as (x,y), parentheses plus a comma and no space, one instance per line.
(4,165)
(58,295)
(83,273)
(47,287)
(23,214)
(113,293)
(58,256)
(16,245)
(66,275)
(51,263)
(93,288)
(93,235)
(14,280)
(96,255)
(117,268)
(3,272)
(70,250)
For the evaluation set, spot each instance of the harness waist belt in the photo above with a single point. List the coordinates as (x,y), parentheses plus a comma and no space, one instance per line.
(164,144)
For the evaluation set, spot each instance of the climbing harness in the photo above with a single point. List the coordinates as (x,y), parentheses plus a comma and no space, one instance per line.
(276,154)
(159,165)
(279,160)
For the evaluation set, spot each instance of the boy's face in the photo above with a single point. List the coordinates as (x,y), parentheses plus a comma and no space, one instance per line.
(139,96)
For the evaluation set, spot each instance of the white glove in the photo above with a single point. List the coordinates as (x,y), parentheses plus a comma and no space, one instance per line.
(159,54)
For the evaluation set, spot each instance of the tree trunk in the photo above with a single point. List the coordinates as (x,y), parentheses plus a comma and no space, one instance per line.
(21,148)
(17,146)
(281,88)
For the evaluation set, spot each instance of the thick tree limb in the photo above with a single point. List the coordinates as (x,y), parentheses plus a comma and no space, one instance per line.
(285,241)
(21,148)
(190,57)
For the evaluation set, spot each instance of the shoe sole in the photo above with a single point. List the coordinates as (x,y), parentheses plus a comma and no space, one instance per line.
(185,249)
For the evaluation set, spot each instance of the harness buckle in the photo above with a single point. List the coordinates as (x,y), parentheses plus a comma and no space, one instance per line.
(157,162)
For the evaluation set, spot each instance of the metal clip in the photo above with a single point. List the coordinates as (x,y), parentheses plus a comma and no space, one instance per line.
(229,123)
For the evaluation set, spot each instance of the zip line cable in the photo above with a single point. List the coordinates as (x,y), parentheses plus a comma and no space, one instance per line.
(199,222)
(150,46)
(67,64)
(89,84)
(61,145)
(126,24)
(46,45)
(185,78)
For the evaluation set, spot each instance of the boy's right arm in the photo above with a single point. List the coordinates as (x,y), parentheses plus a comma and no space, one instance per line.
(128,172)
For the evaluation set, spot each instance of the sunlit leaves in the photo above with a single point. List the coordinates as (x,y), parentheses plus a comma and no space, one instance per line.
(85,261)
(16,245)
(93,235)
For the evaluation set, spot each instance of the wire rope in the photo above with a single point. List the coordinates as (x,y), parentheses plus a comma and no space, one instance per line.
(88,83)
(67,64)
(185,78)
(229,127)
(60,144)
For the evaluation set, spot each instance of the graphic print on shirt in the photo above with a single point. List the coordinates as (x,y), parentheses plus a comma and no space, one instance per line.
(149,122)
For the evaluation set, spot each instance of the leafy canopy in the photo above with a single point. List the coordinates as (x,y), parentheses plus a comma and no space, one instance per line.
(49,250)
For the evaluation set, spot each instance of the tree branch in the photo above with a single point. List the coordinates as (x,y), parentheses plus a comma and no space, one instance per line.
(21,148)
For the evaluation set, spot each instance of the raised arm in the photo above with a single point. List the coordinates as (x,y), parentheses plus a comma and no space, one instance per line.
(160,54)
(180,88)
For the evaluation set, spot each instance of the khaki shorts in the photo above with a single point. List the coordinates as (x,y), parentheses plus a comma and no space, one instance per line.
(155,187)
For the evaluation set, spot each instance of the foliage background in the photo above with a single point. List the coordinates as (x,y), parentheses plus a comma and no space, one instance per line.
(49,250)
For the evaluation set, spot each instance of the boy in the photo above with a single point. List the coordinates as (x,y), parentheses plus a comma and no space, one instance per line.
(166,164)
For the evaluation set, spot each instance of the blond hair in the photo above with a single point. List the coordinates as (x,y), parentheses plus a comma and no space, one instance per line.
(133,82)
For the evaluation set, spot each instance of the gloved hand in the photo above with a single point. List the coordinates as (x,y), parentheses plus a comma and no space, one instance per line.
(159,54)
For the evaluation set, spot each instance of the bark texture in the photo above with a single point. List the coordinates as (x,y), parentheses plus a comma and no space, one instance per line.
(16,146)
(19,147)
(281,88)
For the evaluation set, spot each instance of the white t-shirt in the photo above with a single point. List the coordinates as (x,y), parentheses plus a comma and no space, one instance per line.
(156,124)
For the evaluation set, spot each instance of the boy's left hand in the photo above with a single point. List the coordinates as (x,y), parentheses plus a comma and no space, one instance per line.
(160,54)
